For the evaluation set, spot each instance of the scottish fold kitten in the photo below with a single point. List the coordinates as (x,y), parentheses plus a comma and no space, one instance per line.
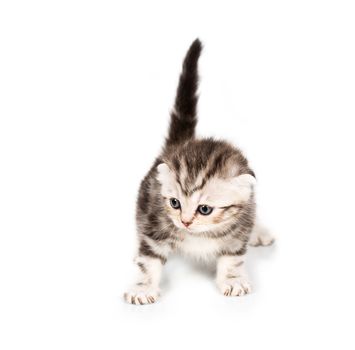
(197,199)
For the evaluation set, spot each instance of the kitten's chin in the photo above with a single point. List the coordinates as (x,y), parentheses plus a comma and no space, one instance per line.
(198,228)
(190,229)
(202,228)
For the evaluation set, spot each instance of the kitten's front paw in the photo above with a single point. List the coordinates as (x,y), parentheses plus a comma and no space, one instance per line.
(237,286)
(140,295)
(261,237)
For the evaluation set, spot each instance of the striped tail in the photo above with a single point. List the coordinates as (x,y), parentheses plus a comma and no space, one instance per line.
(183,117)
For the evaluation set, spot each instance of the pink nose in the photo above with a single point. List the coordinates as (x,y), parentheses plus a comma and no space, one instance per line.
(186,223)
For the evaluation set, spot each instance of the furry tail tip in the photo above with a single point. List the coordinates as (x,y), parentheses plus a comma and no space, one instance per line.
(183,117)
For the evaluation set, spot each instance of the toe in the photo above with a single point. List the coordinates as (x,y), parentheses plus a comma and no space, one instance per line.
(141,297)
(235,287)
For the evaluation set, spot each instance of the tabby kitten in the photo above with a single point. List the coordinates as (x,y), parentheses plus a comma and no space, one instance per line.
(197,199)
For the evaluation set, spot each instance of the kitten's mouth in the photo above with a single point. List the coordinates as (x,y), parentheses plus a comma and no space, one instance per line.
(187,229)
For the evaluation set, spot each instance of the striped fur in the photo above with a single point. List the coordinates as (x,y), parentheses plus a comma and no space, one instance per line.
(183,117)
(196,172)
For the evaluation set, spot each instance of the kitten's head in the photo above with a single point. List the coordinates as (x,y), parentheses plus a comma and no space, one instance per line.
(203,187)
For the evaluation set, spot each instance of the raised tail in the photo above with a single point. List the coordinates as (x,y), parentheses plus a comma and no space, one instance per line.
(183,117)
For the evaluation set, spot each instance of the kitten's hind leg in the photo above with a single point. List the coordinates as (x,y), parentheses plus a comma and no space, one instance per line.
(260,236)
(146,289)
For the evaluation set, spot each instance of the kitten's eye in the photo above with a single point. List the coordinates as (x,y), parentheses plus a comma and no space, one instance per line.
(204,209)
(175,203)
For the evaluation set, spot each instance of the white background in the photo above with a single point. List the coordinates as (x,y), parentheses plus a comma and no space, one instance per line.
(85,93)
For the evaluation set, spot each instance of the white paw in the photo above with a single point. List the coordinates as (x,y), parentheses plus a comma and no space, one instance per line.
(234,286)
(261,237)
(140,295)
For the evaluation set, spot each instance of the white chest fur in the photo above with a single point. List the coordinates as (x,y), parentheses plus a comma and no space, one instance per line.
(199,247)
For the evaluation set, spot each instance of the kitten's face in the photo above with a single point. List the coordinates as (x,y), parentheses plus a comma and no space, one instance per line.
(209,205)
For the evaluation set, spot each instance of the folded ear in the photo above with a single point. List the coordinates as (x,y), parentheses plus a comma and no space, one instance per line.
(167,180)
(245,184)
(163,173)
(245,180)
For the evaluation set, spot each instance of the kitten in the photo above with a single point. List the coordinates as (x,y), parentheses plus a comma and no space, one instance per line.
(197,199)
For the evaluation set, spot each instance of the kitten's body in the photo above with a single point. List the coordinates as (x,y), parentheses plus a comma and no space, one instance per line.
(195,173)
